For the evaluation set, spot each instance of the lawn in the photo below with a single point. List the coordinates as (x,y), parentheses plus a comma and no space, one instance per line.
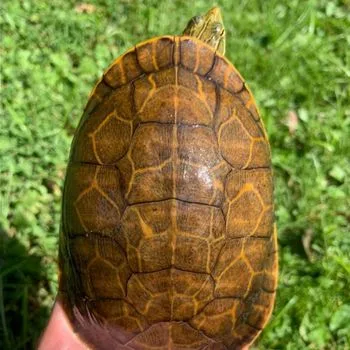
(295,57)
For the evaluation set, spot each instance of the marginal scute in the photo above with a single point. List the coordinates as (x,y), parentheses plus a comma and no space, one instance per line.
(248,101)
(225,75)
(154,55)
(196,58)
(123,70)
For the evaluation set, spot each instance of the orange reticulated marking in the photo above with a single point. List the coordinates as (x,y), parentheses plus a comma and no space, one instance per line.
(251,146)
(173,216)
(94,148)
(232,117)
(80,219)
(176,96)
(132,178)
(130,250)
(197,60)
(231,264)
(103,194)
(248,187)
(246,261)
(254,274)
(232,66)
(211,222)
(121,69)
(154,168)
(154,55)
(150,78)
(81,195)
(146,229)
(249,102)
(106,120)
(201,95)
(154,92)
(226,76)
(247,132)
(175,146)
(176,56)
(265,208)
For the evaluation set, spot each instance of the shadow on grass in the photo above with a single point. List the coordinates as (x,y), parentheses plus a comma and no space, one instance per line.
(22,316)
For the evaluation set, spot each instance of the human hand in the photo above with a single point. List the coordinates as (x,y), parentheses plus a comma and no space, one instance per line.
(59,333)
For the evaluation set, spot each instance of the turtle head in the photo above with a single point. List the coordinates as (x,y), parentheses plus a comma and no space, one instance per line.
(208,28)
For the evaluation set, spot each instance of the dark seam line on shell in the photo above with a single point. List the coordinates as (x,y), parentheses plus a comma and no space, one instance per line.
(99,235)
(132,100)
(267,238)
(252,326)
(210,69)
(170,322)
(218,255)
(223,215)
(172,268)
(89,300)
(173,198)
(243,237)
(230,165)
(177,124)
(244,87)
(256,168)
(251,238)
(210,301)
(109,85)
(236,94)
(127,284)
(197,330)
(269,291)
(217,104)
(227,297)
(83,162)
(105,299)
(137,59)
(227,175)
(248,168)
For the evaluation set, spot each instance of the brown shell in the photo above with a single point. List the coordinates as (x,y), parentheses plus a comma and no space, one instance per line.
(168,228)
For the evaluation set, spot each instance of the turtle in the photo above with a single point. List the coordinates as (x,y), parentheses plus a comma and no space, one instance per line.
(168,236)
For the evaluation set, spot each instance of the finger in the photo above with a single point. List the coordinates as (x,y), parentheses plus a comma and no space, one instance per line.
(59,334)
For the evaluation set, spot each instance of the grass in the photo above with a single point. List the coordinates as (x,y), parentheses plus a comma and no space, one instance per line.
(295,56)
